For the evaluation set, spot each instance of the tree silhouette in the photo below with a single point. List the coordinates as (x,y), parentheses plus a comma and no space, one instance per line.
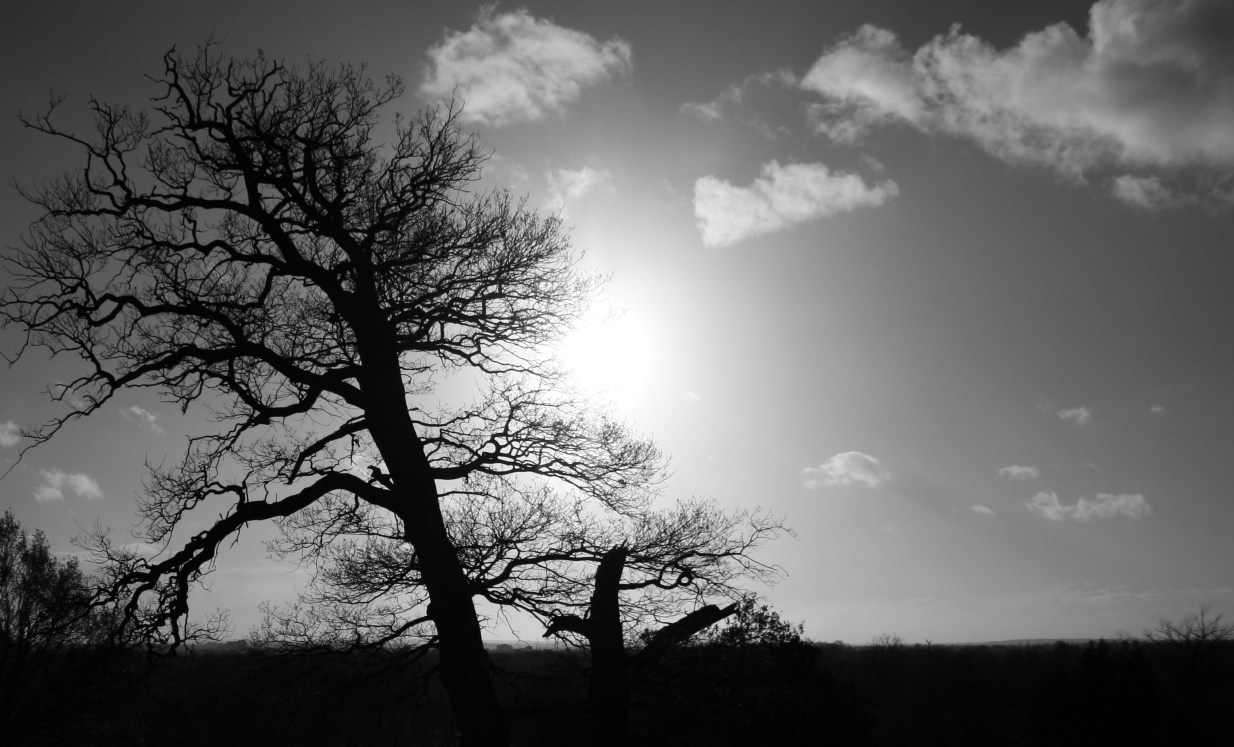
(264,242)
(51,638)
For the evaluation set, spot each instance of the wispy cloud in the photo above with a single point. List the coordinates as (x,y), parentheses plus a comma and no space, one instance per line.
(513,67)
(1150,87)
(1144,191)
(1096,595)
(568,186)
(56,481)
(1081,415)
(1016,472)
(142,549)
(10,434)
(781,197)
(733,102)
(1080,593)
(1104,506)
(847,468)
(980,509)
(1158,409)
(145,417)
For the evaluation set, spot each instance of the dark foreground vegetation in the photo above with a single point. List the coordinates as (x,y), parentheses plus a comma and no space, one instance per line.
(1108,692)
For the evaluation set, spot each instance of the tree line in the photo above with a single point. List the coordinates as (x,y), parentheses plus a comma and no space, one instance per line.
(751,679)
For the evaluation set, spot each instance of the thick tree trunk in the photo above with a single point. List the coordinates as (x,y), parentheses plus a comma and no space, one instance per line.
(608,689)
(464,665)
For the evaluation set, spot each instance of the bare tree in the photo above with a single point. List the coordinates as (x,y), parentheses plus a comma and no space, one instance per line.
(887,641)
(1192,633)
(1192,646)
(251,245)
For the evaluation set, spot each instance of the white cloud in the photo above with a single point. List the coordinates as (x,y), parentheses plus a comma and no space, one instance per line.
(1081,415)
(847,468)
(781,197)
(1143,191)
(10,434)
(145,417)
(692,396)
(1150,86)
(1104,506)
(865,81)
(55,482)
(980,509)
(46,494)
(1016,472)
(567,186)
(512,67)
(1158,409)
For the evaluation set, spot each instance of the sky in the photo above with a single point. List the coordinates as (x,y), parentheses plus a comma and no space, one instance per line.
(946,285)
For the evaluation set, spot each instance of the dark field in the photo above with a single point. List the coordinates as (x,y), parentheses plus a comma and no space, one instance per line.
(1107,692)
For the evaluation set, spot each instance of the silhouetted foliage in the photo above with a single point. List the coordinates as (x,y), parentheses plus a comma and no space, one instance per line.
(752,680)
(755,624)
(53,643)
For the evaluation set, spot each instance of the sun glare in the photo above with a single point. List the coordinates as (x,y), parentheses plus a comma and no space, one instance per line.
(609,354)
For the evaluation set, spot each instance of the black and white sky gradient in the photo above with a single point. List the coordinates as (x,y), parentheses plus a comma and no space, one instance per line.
(947,284)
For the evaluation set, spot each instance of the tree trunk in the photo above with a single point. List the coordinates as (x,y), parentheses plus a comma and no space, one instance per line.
(608,692)
(463,662)
(464,665)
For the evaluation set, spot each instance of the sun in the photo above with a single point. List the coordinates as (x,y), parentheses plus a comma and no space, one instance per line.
(609,354)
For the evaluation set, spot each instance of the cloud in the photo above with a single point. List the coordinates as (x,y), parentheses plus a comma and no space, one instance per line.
(692,396)
(733,102)
(781,197)
(141,549)
(145,417)
(1105,506)
(1016,472)
(980,509)
(1158,409)
(55,482)
(847,468)
(1081,415)
(567,186)
(10,434)
(1082,593)
(1090,594)
(1150,87)
(512,67)
(1143,191)
(865,80)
